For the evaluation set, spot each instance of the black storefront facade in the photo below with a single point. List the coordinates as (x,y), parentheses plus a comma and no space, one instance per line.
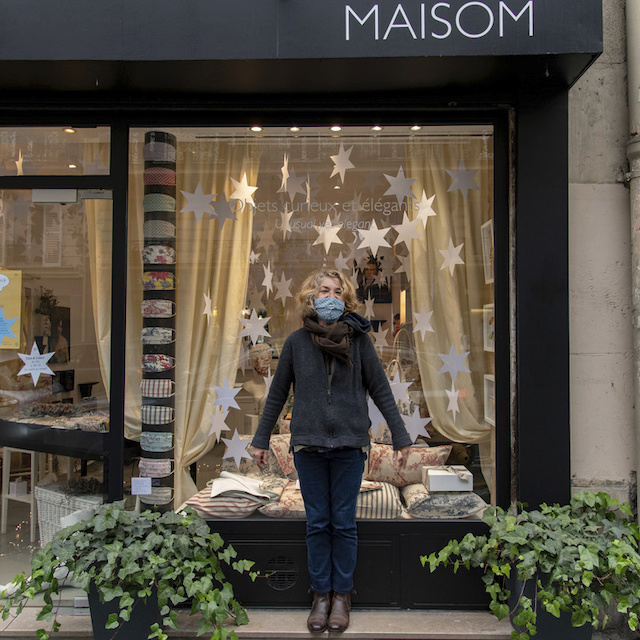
(505,65)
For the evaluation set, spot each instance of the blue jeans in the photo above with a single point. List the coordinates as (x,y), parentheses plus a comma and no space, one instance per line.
(330,484)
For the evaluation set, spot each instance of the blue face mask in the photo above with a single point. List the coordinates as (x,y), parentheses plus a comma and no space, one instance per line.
(329,309)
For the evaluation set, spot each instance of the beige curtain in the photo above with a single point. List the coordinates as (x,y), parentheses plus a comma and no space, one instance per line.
(214,262)
(456,301)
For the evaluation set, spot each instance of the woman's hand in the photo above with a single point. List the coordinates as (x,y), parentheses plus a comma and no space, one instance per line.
(402,456)
(261,456)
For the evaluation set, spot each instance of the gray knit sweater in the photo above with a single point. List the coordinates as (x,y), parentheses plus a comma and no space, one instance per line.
(329,415)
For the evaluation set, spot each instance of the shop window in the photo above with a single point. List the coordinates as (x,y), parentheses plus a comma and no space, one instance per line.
(224,226)
(55,292)
(54,151)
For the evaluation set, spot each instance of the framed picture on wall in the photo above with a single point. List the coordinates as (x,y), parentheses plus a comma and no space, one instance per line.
(60,340)
(490,399)
(488,327)
(486,231)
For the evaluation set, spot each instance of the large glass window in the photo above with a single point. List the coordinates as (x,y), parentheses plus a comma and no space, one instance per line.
(226,223)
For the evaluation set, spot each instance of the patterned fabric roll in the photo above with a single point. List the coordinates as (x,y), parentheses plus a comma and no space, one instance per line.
(159,202)
(158,281)
(158,254)
(158,309)
(159,175)
(159,152)
(152,414)
(156,441)
(159,229)
(154,468)
(157,388)
(158,335)
(157,363)
(159,495)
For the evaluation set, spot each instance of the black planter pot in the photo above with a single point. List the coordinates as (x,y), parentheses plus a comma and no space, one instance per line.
(143,615)
(548,626)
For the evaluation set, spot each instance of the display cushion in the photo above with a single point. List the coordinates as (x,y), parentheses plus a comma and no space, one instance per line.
(236,506)
(248,466)
(382,467)
(421,503)
(280,446)
(383,503)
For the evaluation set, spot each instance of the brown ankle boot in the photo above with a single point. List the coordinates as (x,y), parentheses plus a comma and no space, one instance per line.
(340,606)
(317,620)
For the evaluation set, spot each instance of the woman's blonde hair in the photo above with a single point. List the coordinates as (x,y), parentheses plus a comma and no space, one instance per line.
(310,288)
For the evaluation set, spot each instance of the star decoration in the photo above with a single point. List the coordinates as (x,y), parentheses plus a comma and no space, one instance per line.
(422,322)
(376,417)
(463,180)
(19,207)
(285,217)
(415,425)
(243,191)
(285,172)
(208,311)
(453,401)
(222,210)
(342,162)
(373,237)
(265,239)
(400,186)
(453,362)
(399,388)
(267,283)
(405,266)
(368,307)
(451,256)
(340,263)
(198,202)
(5,326)
(293,185)
(255,297)
(226,397)
(35,364)
(327,234)
(253,258)
(406,231)
(424,209)
(254,327)
(284,290)
(218,424)
(380,337)
(236,448)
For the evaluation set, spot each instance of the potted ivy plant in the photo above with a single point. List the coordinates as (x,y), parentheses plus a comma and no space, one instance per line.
(575,559)
(127,559)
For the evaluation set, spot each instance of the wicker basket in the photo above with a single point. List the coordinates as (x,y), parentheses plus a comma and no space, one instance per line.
(54,504)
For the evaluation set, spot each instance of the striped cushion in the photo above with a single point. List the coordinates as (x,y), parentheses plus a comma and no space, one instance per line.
(157,388)
(222,506)
(153,414)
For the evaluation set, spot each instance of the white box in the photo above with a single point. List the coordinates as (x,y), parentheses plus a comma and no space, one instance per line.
(452,478)
(18,487)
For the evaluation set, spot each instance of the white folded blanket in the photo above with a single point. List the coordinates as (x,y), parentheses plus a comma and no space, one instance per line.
(231,484)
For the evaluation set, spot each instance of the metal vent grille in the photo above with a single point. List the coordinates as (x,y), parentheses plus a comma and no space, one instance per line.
(282,573)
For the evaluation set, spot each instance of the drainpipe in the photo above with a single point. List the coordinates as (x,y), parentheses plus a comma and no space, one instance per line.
(633,179)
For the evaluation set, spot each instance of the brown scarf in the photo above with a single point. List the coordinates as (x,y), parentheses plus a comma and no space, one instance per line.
(334,340)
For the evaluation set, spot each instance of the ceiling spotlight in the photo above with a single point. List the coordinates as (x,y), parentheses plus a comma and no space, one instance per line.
(256,129)
(337,186)
(376,128)
(294,129)
(336,128)
(416,127)
(69,130)
(73,166)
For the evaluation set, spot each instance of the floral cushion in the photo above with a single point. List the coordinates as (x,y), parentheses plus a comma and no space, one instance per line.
(279,445)
(248,467)
(451,504)
(382,503)
(382,467)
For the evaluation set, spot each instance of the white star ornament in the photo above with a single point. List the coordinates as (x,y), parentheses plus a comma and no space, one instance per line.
(451,256)
(327,234)
(236,448)
(342,162)
(463,180)
(35,364)
(198,202)
(415,425)
(243,191)
(373,238)
(254,327)
(400,186)
(226,397)
(422,322)
(218,424)
(454,362)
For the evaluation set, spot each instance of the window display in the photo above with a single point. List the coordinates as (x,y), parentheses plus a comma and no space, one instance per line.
(225,226)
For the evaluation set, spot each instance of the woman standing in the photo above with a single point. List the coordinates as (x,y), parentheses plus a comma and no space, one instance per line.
(332,364)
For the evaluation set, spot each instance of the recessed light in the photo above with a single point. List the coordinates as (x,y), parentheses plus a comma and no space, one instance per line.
(416,127)
(69,130)
(73,166)
(256,129)
(336,128)
(376,128)
(294,129)
(337,186)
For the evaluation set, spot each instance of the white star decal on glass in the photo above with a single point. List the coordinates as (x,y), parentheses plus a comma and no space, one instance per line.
(453,401)
(327,234)
(285,217)
(380,337)
(376,417)
(340,263)
(399,388)
(222,211)
(253,257)
(342,162)
(424,208)
(293,186)
(451,256)
(285,172)
(422,322)
(236,448)
(218,424)
(283,288)
(19,206)
(463,180)
(243,191)
(405,266)
(35,364)
(265,239)
(254,327)
(198,202)
(267,283)
(407,231)
(415,425)
(226,397)
(454,362)
(5,326)
(400,186)
(368,307)
(373,237)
